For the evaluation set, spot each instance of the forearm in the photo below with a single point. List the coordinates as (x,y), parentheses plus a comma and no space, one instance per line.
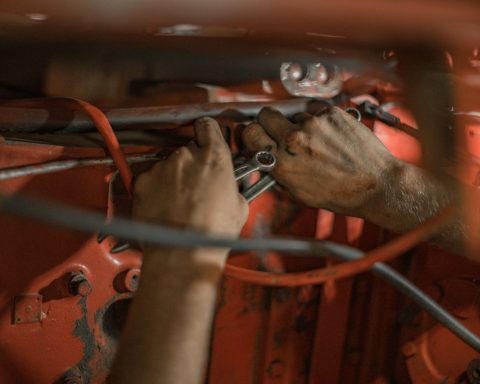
(409,196)
(168,330)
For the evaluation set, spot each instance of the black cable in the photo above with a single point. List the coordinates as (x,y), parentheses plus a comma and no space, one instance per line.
(415,294)
(160,235)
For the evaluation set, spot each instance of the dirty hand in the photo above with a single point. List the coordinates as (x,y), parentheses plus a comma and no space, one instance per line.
(327,161)
(194,188)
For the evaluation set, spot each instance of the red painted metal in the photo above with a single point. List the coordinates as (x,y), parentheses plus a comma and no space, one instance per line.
(39,259)
(353,331)
(99,120)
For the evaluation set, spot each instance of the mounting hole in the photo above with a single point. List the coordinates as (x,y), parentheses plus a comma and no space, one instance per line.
(114,318)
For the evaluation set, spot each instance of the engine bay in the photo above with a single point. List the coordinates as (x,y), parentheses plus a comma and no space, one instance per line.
(84,110)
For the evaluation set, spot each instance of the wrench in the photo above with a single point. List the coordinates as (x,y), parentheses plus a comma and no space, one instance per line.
(262,161)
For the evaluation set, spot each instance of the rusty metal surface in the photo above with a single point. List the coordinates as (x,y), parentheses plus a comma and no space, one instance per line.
(369,20)
(340,332)
(65,329)
(69,339)
(27,308)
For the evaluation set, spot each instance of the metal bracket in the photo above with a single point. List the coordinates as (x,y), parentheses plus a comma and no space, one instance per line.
(27,308)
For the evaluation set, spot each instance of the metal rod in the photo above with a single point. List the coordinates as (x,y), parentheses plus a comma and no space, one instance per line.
(410,290)
(160,235)
(64,165)
(14,118)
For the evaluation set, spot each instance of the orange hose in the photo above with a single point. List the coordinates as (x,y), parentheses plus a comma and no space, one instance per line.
(99,120)
(383,253)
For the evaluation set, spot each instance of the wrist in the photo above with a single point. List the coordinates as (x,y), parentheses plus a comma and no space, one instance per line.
(184,264)
(391,181)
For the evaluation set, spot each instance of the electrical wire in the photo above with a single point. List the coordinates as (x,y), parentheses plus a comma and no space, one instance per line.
(407,288)
(160,235)
(129,230)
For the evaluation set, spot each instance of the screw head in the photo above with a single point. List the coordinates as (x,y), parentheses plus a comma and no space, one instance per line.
(79,285)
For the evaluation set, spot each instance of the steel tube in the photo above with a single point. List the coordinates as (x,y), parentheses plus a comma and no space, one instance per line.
(64,165)
(18,119)
(126,229)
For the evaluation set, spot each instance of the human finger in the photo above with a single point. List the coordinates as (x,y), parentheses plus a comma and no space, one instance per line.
(256,139)
(208,132)
(301,117)
(180,154)
(275,124)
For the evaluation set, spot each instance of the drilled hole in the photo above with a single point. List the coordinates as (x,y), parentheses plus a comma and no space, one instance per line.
(115,317)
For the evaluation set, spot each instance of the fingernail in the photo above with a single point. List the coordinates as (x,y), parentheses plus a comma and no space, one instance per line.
(204,119)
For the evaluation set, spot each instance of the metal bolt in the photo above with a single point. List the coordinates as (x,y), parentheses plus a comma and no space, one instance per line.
(79,285)
(295,71)
(132,278)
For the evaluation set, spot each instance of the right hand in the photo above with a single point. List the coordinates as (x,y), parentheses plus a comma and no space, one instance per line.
(329,161)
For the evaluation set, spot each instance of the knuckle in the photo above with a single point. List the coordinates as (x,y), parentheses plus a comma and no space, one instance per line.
(296,139)
(182,152)
(310,123)
(252,133)
(281,167)
(326,112)
(331,116)
(215,151)
(179,156)
(335,110)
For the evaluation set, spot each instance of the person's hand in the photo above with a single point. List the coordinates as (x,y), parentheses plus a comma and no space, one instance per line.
(327,161)
(194,188)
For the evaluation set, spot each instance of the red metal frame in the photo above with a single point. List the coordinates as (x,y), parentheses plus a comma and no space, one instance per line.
(343,331)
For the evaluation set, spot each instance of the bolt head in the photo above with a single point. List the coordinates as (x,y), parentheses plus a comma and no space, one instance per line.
(79,285)
(132,278)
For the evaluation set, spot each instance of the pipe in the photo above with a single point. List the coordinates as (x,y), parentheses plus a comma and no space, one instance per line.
(16,116)
(154,234)
(64,165)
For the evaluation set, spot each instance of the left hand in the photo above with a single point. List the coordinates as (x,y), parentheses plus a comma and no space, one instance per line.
(194,188)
